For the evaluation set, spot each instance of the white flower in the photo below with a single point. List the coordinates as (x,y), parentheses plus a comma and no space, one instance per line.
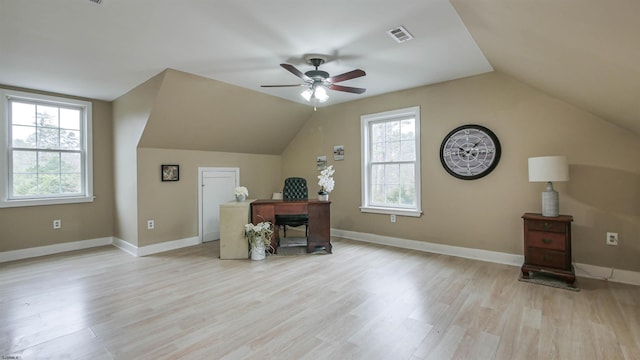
(326,179)
(260,232)
(241,190)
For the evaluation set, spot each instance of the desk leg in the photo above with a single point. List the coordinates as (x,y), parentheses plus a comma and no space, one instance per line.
(319,226)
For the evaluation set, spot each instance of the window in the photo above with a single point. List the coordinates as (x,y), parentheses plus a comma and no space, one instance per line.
(391,162)
(46,145)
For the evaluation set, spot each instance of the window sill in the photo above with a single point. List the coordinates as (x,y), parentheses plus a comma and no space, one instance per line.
(391,211)
(42,202)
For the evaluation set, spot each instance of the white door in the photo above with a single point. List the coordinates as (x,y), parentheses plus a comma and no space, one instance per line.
(217,186)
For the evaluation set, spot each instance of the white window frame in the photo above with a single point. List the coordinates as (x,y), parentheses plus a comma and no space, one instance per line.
(365,125)
(5,150)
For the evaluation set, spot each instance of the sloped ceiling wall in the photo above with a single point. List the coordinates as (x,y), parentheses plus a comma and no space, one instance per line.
(585,52)
(196,113)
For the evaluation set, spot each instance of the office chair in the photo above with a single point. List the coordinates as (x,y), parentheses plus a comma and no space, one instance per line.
(295,188)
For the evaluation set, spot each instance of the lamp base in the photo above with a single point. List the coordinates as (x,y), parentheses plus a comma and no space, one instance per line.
(550,201)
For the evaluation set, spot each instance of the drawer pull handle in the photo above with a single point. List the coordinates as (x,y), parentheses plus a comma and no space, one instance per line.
(546,226)
(547,258)
(546,241)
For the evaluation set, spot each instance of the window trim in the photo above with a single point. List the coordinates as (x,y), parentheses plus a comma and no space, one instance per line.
(5,162)
(365,120)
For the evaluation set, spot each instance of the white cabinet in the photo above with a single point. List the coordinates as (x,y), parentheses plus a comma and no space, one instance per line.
(233,216)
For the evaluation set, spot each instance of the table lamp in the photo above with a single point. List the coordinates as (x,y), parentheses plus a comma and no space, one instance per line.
(548,169)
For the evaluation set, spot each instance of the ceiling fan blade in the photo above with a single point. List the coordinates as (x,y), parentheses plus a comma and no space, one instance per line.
(292,69)
(348,89)
(283,85)
(347,76)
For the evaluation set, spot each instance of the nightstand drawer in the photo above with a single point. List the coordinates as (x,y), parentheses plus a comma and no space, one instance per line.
(541,225)
(546,258)
(546,240)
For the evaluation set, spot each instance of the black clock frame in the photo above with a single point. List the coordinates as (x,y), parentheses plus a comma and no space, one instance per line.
(489,169)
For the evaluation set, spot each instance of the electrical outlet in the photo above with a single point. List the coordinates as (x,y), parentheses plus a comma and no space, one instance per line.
(612,238)
(150,224)
(393,218)
(57,224)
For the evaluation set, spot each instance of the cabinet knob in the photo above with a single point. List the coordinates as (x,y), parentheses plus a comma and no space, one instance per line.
(546,226)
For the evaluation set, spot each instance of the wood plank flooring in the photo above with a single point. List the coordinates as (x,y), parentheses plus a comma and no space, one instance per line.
(364,301)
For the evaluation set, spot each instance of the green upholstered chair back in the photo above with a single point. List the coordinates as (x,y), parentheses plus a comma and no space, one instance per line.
(295,188)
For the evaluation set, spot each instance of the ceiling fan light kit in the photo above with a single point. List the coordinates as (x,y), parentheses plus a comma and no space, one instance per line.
(319,81)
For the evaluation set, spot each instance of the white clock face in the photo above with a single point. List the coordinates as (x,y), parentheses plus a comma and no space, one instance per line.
(470,152)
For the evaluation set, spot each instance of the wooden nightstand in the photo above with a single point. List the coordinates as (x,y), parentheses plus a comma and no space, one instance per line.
(547,246)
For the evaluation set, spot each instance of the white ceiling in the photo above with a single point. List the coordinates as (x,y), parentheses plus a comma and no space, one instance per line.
(584,52)
(77,47)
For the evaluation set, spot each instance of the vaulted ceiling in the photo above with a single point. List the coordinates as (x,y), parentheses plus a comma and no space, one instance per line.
(584,52)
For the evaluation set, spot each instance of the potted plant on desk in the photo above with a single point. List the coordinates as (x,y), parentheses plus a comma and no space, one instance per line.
(259,237)
(326,182)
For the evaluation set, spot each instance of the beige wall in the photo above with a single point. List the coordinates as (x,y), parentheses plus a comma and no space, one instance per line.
(602,195)
(174,205)
(195,113)
(177,110)
(130,115)
(31,226)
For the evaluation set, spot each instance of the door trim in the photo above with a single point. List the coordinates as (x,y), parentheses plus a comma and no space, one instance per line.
(201,171)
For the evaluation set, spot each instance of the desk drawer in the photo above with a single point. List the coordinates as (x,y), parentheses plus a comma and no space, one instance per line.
(285,208)
(547,258)
(542,225)
(546,240)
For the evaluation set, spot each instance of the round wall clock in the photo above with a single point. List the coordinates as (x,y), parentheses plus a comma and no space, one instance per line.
(470,152)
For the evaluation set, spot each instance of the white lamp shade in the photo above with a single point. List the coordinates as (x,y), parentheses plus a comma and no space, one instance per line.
(548,168)
(307,94)
(321,94)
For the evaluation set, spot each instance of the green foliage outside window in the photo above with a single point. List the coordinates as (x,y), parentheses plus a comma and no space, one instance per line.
(46,155)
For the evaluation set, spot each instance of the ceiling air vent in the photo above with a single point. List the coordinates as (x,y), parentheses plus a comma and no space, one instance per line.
(400,34)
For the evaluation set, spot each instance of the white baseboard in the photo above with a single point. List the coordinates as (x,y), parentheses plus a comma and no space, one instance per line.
(53,249)
(85,244)
(155,248)
(609,274)
(584,270)
(125,246)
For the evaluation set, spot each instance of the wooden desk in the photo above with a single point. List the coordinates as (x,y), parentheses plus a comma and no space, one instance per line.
(319,218)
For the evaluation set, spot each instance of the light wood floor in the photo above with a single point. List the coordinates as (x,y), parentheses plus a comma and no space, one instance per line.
(362,302)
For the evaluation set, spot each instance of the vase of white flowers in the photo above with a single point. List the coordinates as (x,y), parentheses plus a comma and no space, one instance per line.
(241,193)
(259,236)
(325,180)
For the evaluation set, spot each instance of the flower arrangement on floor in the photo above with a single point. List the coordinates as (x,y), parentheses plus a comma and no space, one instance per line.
(241,193)
(326,182)
(259,236)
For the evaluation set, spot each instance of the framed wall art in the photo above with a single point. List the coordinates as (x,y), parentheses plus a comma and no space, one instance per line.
(338,152)
(170,172)
(321,162)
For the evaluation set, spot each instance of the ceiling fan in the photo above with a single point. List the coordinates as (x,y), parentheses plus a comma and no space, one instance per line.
(318,81)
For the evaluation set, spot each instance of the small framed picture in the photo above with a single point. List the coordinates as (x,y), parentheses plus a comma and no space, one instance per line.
(170,172)
(321,162)
(338,152)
